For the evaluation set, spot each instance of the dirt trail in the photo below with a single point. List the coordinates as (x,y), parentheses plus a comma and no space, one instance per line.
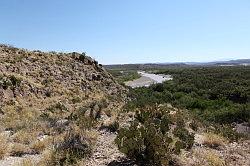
(105,150)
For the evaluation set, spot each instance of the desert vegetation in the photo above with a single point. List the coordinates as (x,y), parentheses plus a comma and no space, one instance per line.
(154,136)
(214,100)
(51,105)
(66,109)
(217,95)
(124,75)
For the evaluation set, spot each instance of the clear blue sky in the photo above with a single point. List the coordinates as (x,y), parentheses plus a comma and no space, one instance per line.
(130,31)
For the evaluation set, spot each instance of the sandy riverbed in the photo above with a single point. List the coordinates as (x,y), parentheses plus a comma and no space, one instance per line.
(148,79)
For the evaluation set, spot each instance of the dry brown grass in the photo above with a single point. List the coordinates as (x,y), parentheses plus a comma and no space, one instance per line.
(200,156)
(47,158)
(213,159)
(25,115)
(17,118)
(25,136)
(57,155)
(27,162)
(4,148)
(207,157)
(40,145)
(18,149)
(214,140)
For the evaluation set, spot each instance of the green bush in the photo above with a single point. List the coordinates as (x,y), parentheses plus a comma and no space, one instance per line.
(148,139)
(10,81)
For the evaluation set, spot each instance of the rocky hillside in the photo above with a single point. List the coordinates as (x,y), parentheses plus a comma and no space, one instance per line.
(47,99)
(39,76)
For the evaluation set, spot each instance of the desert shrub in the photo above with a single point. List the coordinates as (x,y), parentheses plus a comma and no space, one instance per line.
(148,139)
(82,118)
(9,82)
(54,113)
(229,114)
(187,139)
(194,125)
(113,127)
(74,146)
(4,82)
(158,87)
(76,99)
(228,132)
(125,75)
(15,81)
(215,94)
(47,81)
(214,159)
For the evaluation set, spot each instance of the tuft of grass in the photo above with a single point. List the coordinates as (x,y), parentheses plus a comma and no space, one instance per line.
(69,147)
(214,140)
(206,157)
(4,148)
(46,159)
(213,159)
(24,137)
(19,150)
(17,118)
(40,145)
(27,162)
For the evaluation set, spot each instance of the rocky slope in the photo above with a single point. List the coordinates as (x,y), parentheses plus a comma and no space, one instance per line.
(50,75)
(40,94)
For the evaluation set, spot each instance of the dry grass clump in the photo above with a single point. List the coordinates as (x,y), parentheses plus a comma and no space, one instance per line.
(4,148)
(48,158)
(112,125)
(213,159)
(18,149)
(214,140)
(200,157)
(16,118)
(69,147)
(24,136)
(207,158)
(40,145)
(27,162)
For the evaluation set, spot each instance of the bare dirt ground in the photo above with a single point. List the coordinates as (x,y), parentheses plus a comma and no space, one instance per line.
(105,150)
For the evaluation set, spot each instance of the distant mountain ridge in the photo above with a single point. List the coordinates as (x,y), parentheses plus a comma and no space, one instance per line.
(237,62)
